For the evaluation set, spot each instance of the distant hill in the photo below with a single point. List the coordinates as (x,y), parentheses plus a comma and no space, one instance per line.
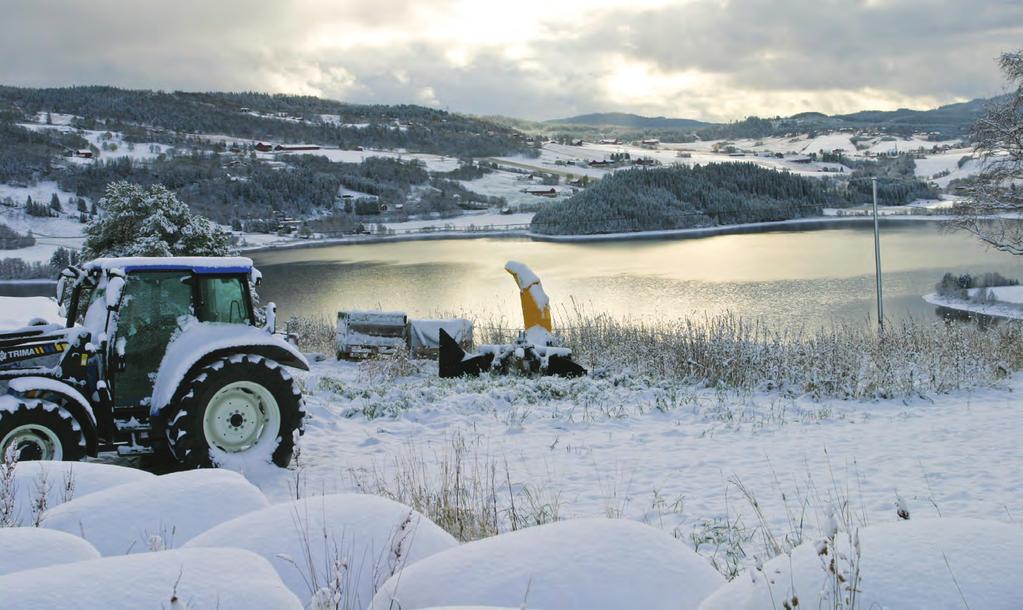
(963,114)
(166,116)
(635,121)
(949,121)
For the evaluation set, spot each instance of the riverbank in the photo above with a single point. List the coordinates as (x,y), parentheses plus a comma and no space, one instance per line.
(1009,303)
(798,224)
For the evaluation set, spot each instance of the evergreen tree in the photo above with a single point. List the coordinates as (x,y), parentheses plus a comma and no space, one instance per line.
(150,222)
(55,203)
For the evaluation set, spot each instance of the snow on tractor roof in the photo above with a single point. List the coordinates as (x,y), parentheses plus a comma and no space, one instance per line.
(197,264)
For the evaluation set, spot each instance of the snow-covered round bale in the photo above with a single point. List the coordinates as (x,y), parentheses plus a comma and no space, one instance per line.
(901,565)
(309,540)
(60,482)
(585,564)
(159,512)
(24,548)
(227,579)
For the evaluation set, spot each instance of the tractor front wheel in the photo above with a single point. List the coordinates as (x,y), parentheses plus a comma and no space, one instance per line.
(243,405)
(40,430)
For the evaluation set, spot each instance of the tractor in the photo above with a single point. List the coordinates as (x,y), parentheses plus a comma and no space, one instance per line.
(160,355)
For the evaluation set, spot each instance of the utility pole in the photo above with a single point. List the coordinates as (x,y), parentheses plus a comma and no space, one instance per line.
(877,258)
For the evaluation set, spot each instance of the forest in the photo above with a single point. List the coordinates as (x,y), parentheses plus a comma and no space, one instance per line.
(681,197)
(158,116)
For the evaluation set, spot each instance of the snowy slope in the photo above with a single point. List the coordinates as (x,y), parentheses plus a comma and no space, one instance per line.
(931,564)
(587,564)
(16,312)
(303,540)
(157,512)
(25,548)
(64,481)
(226,579)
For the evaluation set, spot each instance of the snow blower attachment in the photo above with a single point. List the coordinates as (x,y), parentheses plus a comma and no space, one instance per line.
(534,352)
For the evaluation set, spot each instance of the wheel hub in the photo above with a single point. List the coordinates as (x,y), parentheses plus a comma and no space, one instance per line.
(32,442)
(239,415)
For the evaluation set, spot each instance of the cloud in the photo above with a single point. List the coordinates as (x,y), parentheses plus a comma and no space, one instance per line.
(709,59)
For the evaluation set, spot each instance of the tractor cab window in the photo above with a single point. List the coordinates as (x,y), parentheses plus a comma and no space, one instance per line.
(151,304)
(222,299)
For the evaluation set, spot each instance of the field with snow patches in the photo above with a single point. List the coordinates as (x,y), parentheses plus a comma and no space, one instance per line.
(622,489)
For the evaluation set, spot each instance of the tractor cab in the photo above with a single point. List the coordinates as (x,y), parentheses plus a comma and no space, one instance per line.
(158,353)
(132,308)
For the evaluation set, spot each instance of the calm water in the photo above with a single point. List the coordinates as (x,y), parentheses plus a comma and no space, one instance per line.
(809,277)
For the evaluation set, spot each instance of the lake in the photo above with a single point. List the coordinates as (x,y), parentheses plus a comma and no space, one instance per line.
(810,277)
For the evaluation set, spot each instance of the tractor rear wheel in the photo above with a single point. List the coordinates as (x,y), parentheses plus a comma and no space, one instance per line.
(244,405)
(40,430)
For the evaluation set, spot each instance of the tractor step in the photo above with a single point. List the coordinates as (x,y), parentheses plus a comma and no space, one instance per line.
(125,450)
(132,425)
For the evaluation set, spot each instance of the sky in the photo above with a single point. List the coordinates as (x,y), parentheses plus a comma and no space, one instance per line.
(715,60)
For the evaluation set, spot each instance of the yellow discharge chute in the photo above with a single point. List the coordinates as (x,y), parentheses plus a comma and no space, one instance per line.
(536,308)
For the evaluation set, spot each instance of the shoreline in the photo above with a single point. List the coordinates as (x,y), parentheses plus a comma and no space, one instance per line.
(1005,311)
(796,224)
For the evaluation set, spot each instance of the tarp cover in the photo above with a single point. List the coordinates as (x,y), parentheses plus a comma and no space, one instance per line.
(425,334)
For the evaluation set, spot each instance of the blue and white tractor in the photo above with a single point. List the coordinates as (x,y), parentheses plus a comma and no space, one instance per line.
(159,355)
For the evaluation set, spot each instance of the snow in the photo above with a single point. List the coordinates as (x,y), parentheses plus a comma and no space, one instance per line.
(465,221)
(200,263)
(426,333)
(200,338)
(175,507)
(84,478)
(136,151)
(18,312)
(523,274)
(29,383)
(1008,302)
(227,579)
(304,539)
(585,564)
(902,565)
(433,163)
(24,548)
(50,233)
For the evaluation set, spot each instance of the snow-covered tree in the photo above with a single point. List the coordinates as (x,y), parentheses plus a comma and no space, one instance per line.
(995,198)
(150,222)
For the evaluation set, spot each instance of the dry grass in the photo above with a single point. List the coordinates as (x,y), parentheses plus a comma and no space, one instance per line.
(912,358)
(462,489)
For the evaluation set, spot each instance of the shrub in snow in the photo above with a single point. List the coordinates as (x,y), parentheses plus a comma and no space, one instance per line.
(226,579)
(41,485)
(920,564)
(150,222)
(585,564)
(159,512)
(334,550)
(24,548)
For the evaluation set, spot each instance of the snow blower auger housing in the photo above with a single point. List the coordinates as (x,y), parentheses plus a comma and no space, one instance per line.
(158,355)
(534,352)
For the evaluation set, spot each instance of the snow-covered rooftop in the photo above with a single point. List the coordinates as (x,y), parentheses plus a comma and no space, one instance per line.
(199,264)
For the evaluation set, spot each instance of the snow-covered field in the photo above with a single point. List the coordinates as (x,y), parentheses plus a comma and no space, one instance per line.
(626,490)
